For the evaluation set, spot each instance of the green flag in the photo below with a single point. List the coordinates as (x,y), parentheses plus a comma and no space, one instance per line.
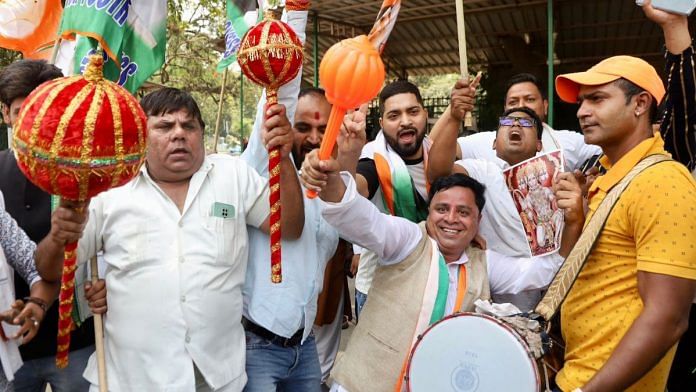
(235,28)
(132,34)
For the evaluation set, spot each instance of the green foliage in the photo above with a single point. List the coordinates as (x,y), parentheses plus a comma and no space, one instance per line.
(8,56)
(195,40)
(438,86)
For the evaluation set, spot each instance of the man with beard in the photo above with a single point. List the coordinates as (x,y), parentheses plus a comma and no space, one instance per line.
(391,170)
(281,352)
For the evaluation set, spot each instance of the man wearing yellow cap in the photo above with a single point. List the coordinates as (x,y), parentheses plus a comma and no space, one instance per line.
(630,303)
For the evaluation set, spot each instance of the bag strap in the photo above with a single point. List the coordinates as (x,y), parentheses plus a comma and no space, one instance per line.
(566,275)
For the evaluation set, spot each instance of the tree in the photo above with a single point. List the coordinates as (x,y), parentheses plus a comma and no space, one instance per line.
(194,45)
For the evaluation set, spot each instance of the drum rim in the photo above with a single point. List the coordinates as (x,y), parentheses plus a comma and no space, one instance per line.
(517,336)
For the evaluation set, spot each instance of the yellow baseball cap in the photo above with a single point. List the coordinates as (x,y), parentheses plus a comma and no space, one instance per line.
(636,70)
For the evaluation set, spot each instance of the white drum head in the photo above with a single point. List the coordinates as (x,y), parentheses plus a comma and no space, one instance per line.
(471,352)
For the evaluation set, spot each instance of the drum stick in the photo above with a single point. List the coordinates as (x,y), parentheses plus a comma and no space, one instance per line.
(99,333)
(463,63)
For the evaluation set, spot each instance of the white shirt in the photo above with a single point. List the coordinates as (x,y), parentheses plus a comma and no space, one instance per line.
(417,172)
(393,239)
(175,279)
(575,151)
(366,269)
(500,222)
(453,286)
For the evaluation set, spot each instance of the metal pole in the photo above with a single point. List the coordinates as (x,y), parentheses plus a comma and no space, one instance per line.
(315,49)
(241,109)
(549,57)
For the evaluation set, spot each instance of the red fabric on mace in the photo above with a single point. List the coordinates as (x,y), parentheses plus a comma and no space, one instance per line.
(76,137)
(270,55)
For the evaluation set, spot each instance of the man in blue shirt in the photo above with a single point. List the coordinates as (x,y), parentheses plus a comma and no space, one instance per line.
(278,318)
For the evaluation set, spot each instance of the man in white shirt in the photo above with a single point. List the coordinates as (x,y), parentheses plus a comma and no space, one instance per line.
(522,90)
(410,254)
(175,245)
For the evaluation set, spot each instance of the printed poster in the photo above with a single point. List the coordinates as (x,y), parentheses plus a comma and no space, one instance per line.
(531,186)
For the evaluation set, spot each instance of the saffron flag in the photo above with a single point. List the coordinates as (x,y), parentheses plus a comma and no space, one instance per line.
(29,26)
(241,15)
(131,33)
(386,18)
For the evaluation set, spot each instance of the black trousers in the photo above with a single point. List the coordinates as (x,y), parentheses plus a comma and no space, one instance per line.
(682,376)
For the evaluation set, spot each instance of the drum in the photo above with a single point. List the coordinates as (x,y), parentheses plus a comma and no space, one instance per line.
(469,352)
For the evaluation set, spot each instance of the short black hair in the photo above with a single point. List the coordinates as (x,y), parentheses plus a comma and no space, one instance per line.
(524,78)
(630,90)
(315,91)
(531,113)
(168,100)
(398,87)
(462,180)
(20,78)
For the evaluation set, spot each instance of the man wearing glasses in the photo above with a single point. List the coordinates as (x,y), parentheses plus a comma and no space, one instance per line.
(521,90)
(518,138)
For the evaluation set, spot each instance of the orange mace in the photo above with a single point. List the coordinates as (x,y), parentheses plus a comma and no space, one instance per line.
(351,73)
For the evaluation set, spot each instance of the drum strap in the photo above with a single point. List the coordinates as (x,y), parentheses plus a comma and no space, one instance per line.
(566,275)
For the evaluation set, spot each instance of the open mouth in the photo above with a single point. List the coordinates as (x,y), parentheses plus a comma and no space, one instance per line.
(515,136)
(306,149)
(407,136)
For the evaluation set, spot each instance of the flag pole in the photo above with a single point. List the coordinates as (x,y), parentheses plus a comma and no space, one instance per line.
(99,333)
(56,47)
(463,64)
(219,113)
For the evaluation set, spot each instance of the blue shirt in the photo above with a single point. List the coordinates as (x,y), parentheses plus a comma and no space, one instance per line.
(283,308)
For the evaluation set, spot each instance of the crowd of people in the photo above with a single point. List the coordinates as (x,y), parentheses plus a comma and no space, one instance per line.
(427,217)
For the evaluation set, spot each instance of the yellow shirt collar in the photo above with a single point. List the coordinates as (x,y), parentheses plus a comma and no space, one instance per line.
(615,172)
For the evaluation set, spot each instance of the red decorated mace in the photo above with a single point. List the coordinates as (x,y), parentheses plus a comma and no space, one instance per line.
(270,55)
(76,137)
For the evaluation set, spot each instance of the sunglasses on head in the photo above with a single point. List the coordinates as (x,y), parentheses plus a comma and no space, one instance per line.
(508,121)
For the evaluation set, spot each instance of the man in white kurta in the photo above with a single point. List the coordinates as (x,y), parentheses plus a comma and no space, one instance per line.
(174,240)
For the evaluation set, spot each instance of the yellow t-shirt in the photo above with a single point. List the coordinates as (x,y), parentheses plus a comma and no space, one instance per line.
(652,228)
